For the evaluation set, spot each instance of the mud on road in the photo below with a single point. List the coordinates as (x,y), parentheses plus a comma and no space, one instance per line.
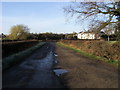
(33,72)
(85,72)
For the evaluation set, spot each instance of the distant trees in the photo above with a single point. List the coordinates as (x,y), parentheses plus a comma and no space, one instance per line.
(46,36)
(19,32)
(71,36)
(52,36)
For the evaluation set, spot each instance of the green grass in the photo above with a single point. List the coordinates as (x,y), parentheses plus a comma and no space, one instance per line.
(113,62)
(112,42)
(18,57)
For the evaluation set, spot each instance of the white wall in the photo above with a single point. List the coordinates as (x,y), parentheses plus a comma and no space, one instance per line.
(86,36)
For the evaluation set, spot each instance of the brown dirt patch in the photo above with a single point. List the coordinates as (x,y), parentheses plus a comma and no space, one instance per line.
(85,72)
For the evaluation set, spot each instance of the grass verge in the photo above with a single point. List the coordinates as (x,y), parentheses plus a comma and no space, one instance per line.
(112,42)
(113,62)
(18,57)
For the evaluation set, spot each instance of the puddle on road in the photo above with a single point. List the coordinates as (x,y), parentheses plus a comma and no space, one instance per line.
(43,75)
(55,61)
(37,73)
(44,64)
(40,64)
(59,72)
(55,55)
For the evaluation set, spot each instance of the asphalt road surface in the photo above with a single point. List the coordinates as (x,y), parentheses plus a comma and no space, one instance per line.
(34,72)
(37,71)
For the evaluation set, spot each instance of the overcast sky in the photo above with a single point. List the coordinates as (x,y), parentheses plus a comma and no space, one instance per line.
(38,16)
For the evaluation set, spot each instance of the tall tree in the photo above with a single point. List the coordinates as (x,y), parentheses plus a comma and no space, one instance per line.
(19,32)
(109,30)
(118,23)
(105,12)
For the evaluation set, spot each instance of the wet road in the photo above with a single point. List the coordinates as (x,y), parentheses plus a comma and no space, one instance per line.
(34,72)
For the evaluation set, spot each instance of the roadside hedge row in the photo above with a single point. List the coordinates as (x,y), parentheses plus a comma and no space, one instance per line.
(9,48)
(98,48)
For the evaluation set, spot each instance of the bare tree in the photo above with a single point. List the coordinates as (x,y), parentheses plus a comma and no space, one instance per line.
(106,12)
(109,30)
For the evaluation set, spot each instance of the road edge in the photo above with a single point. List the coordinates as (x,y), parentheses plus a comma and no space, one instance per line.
(18,57)
(114,63)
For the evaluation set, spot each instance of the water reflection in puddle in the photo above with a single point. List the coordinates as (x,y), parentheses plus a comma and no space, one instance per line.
(55,55)
(42,64)
(56,61)
(59,72)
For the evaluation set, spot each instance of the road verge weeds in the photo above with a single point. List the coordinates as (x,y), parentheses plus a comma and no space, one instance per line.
(113,62)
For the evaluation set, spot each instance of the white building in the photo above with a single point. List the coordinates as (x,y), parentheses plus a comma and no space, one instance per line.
(87,35)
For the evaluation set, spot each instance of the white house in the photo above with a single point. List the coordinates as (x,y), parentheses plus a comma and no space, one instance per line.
(87,35)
